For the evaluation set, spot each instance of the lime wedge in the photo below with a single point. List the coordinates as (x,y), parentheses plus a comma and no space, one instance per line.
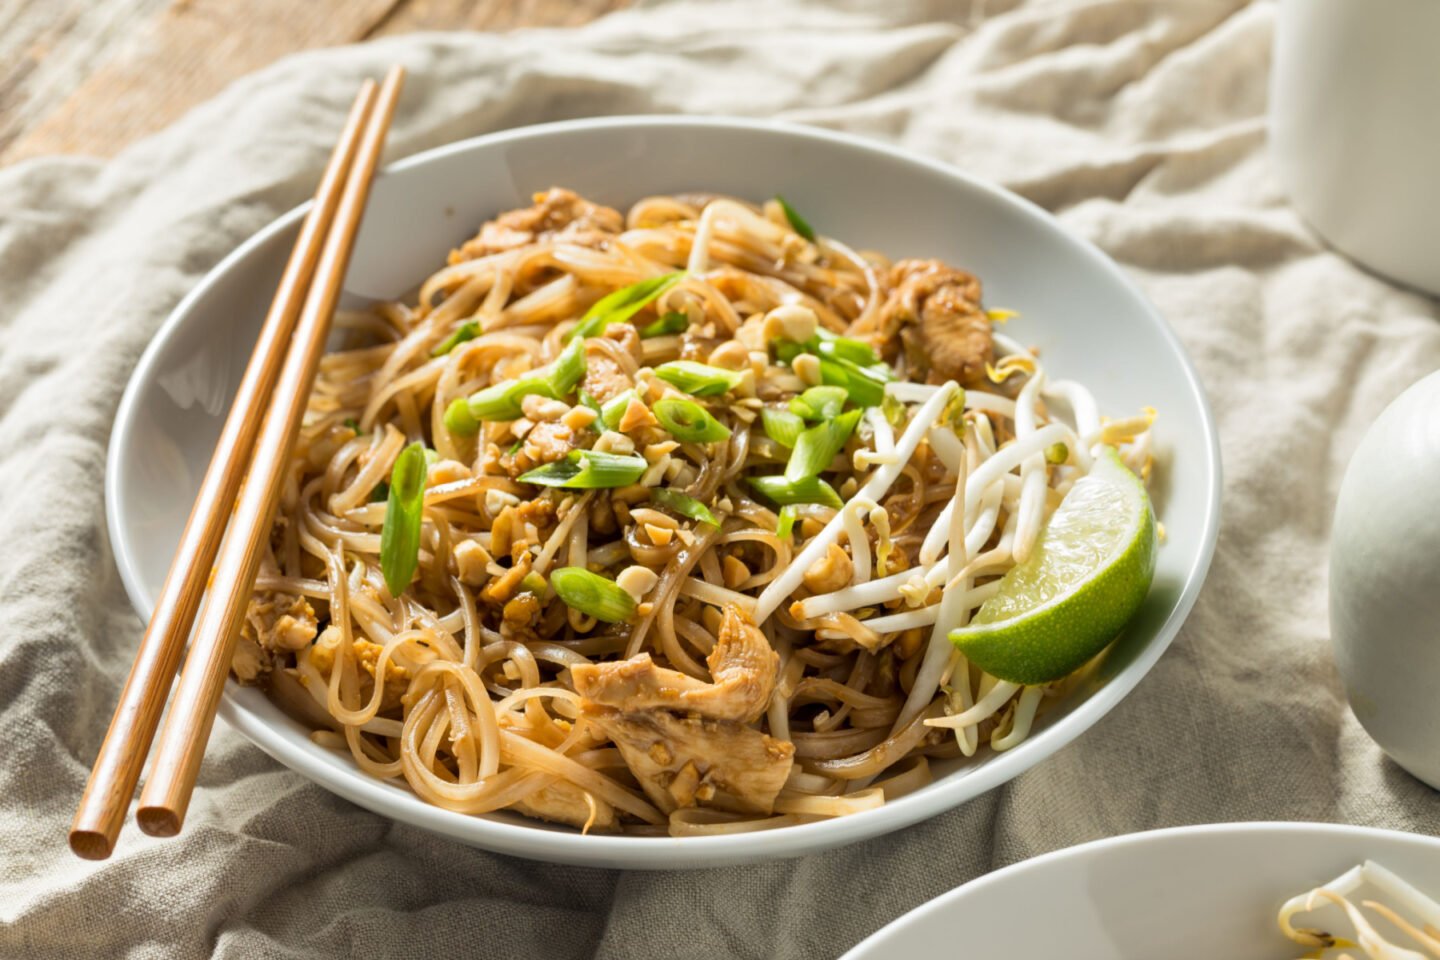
(1083,581)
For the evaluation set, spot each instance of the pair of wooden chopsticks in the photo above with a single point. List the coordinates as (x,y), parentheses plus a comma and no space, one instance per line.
(252,448)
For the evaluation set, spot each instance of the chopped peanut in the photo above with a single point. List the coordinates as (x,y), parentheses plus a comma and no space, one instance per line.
(807,368)
(637,581)
(651,515)
(831,573)
(734,571)
(634,493)
(503,531)
(636,415)
(656,472)
(471,561)
(799,323)
(612,442)
(730,355)
(540,408)
(497,500)
(446,471)
(654,451)
(501,589)
(579,418)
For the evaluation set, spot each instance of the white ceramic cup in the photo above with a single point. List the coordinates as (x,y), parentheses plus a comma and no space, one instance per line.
(1355,128)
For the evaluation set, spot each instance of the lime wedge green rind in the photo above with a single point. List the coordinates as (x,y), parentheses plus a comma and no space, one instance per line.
(1086,577)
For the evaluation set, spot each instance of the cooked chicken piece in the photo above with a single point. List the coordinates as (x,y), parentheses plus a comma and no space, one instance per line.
(249,662)
(742,667)
(499,590)
(321,656)
(935,310)
(608,365)
(281,621)
(520,612)
(558,214)
(545,443)
(563,802)
(687,762)
(831,573)
(276,623)
(604,379)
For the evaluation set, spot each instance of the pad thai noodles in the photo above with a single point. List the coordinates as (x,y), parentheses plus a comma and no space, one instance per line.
(1401,911)
(658,522)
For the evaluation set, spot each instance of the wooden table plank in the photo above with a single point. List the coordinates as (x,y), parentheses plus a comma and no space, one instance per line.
(494,14)
(48,47)
(90,76)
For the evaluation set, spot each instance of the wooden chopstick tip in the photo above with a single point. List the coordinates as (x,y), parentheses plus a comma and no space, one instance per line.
(91,844)
(158,821)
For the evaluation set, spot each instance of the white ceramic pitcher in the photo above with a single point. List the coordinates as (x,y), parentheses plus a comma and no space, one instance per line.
(1385,580)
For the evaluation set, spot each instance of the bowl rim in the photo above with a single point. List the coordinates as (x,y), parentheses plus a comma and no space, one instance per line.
(948,899)
(672,852)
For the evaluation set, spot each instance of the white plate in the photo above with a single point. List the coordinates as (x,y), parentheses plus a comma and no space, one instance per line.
(1087,318)
(1191,893)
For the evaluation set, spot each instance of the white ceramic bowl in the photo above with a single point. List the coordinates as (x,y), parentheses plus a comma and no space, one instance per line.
(1088,319)
(1191,893)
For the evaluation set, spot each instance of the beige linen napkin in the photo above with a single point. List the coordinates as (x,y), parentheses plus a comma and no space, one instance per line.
(1141,124)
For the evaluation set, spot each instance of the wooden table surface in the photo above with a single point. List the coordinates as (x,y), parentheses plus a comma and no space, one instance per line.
(90,76)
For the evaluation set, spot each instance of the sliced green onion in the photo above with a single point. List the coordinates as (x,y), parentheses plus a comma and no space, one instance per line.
(352,423)
(796,221)
(817,447)
(380,492)
(786,522)
(623,304)
(784,491)
(555,380)
(698,379)
(613,410)
(459,420)
(670,323)
(683,504)
(593,595)
(468,330)
(865,386)
(593,404)
(588,470)
(844,362)
(534,582)
(431,456)
(782,425)
(568,368)
(1057,453)
(845,348)
(501,401)
(879,372)
(819,403)
(688,421)
(405,508)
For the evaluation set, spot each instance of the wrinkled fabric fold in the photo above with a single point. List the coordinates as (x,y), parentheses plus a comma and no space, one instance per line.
(1140,124)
